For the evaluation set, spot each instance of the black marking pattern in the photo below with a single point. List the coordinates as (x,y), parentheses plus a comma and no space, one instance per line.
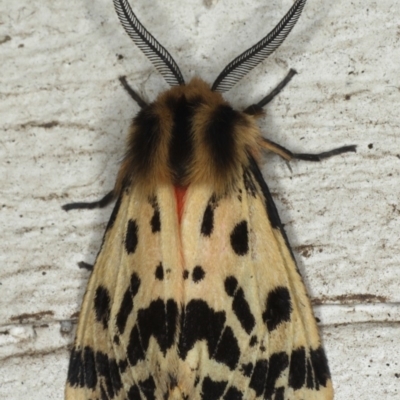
(278,307)
(148,388)
(207,225)
(134,393)
(233,394)
(155,221)
(131,238)
(198,274)
(102,304)
(87,367)
(159,272)
(127,303)
(320,367)
(240,306)
(197,321)
(114,213)
(253,341)
(297,374)
(240,238)
(247,369)
(200,322)
(159,320)
(212,390)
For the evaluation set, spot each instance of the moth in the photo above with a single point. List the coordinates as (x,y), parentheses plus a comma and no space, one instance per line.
(195,293)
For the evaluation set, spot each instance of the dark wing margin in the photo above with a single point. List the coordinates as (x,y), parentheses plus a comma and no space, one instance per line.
(146,42)
(245,62)
(272,212)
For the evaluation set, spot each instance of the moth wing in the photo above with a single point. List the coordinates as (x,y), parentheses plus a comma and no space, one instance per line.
(247,330)
(126,335)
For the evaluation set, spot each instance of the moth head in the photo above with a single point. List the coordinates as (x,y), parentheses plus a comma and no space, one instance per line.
(190,134)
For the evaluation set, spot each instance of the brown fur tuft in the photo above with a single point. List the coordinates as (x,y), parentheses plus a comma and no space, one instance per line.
(189,135)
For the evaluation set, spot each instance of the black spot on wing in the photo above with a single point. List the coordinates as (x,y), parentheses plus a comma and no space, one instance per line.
(102,303)
(155,221)
(173,382)
(114,213)
(198,274)
(278,307)
(297,370)
(103,393)
(200,322)
(227,351)
(159,320)
(88,372)
(131,238)
(207,225)
(135,351)
(278,362)
(240,306)
(82,368)
(247,369)
(253,341)
(231,284)
(320,367)
(123,365)
(240,238)
(134,393)
(212,390)
(127,303)
(233,394)
(280,393)
(258,379)
(108,369)
(148,388)
(159,272)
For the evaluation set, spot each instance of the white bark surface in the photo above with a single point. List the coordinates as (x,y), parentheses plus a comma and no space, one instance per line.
(63,121)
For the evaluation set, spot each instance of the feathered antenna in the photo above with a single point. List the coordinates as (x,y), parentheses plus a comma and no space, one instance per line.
(244,63)
(152,49)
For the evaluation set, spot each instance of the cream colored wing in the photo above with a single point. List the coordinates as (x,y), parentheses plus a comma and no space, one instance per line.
(212,309)
(128,326)
(247,329)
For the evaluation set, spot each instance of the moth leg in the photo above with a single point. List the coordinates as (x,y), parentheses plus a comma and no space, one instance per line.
(286,154)
(85,265)
(103,202)
(141,103)
(256,109)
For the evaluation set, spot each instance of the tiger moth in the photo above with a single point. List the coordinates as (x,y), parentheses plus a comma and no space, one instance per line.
(195,293)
